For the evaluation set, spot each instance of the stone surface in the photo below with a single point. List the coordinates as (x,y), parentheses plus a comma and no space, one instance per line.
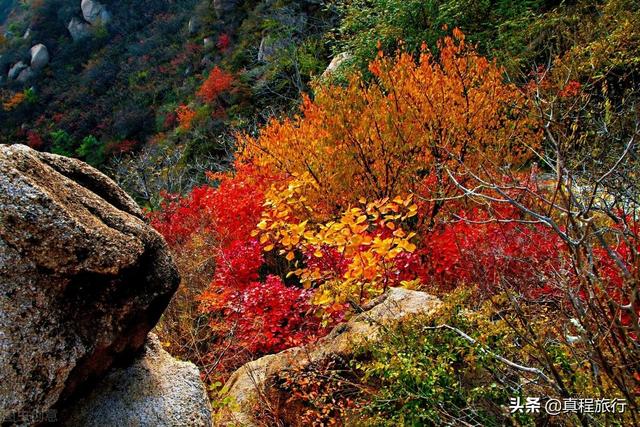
(156,390)
(83,279)
(269,47)
(78,29)
(336,62)
(39,56)
(94,12)
(15,71)
(25,75)
(250,382)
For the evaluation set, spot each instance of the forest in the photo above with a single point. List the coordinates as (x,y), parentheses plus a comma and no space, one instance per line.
(302,158)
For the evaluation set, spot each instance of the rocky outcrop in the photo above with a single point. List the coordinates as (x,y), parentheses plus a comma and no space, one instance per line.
(83,279)
(25,75)
(95,12)
(249,384)
(39,56)
(15,71)
(78,29)
(336,63)
(155,390)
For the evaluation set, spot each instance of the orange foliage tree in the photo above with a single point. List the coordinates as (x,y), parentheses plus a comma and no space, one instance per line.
(382,138)
(217,83)
(185,116)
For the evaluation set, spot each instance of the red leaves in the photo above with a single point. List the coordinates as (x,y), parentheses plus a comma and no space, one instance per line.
(270,316)
(216,84)
(34,140)
(224,41)
(491,253)
(265,314)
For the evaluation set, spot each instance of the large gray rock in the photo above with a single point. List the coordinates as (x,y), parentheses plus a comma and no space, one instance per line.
(25,75)
(39,56)
(156,390)
(249,385)
(83,279)
(78,29)
(95,12)
(15,71)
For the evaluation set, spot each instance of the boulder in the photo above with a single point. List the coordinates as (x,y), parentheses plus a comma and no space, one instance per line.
(94,12)
(25,75)
(336,62)
(39,56)
(83,279)
(15,71)
(78,29)
(249,384)
(155,390)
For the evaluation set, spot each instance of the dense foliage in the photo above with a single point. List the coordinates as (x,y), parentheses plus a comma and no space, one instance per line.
(485,152)
(427,177)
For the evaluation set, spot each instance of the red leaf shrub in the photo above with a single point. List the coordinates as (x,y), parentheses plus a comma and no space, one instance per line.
(217,83)
(224,41)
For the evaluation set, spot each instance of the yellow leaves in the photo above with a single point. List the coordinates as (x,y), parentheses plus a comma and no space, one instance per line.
(369,238)
(405,245)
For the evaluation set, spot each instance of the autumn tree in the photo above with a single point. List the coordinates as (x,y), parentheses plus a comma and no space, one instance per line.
(382,138)
(217,83)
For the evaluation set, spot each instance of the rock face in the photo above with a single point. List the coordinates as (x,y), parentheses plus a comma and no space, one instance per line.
(78,29)
(249,383)
(336,62)
(15,71)
(94,12)
(39,56)
(269,47)
(25,75)
(83,279)
(156,390)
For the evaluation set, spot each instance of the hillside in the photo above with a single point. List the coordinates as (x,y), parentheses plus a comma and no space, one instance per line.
(310,162)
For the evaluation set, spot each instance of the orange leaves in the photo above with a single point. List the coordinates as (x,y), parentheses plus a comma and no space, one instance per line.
(378,139)
(365,240)
(185,116)
(14,101)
